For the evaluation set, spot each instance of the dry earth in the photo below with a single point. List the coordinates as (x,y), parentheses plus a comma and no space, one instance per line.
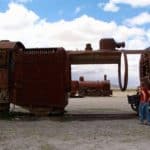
(47,133)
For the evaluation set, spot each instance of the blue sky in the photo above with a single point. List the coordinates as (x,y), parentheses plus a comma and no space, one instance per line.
(73,23)
(54,10)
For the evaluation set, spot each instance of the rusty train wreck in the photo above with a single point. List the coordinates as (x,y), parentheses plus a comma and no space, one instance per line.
(83,88)
(39,79)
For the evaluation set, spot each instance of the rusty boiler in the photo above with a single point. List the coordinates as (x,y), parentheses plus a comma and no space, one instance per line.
(94,88)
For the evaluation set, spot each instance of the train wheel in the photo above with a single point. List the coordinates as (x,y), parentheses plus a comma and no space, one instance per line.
(4,107)
(82,92)
(135,107)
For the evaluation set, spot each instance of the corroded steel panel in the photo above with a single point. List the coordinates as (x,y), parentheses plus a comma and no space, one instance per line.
(41,78)
(3,78)
(3,58)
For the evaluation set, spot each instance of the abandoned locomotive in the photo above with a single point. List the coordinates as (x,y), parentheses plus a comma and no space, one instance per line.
(83,88)
(39,79)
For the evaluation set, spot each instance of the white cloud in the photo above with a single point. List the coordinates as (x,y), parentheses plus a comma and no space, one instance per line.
(70,34)
(111,7)
(21,24)
(132,35)
(17,17)
(148,35)
(141,19)
(77,10)
(112,4)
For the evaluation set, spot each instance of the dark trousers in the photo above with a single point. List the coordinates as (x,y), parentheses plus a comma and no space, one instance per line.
(148,112)
(142,111)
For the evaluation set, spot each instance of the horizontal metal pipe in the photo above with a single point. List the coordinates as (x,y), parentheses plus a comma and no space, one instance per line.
(94,57)
(135,51)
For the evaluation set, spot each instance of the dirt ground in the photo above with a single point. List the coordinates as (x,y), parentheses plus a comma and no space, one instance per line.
(45,133)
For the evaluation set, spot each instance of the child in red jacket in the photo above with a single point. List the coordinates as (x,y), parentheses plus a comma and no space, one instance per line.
(144,96)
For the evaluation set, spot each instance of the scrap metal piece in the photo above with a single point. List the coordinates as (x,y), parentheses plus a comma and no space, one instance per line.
(110,44)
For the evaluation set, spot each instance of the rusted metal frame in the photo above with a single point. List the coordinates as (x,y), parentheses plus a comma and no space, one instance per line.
(115,58)
(94,57)
(125,53)
(76,58)
(135,51)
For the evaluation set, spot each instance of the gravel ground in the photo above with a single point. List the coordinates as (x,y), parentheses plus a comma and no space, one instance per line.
(45,133)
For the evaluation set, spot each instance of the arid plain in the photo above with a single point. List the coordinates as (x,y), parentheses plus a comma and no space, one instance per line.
(61,133)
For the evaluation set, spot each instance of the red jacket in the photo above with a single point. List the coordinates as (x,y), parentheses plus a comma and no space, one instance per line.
(144,95)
